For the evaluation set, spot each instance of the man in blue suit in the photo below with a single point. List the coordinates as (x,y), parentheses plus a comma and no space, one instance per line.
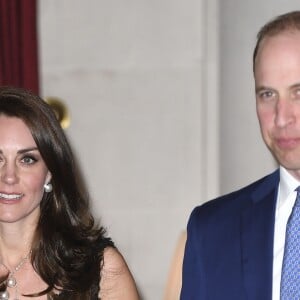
(236,243)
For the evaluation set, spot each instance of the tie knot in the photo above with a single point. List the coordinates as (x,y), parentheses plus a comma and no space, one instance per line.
(297,203)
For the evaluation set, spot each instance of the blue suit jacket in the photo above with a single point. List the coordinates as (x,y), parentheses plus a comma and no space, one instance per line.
(229,249)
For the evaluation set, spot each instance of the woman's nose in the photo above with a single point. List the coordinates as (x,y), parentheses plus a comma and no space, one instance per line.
(8,173)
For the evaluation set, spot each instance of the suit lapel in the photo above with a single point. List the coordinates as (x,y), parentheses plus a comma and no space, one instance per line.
(257,231)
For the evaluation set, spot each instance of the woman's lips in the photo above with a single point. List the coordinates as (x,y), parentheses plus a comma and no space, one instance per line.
(10,196)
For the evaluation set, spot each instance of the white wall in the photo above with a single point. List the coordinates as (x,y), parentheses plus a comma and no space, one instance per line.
(141,81)
(139,78)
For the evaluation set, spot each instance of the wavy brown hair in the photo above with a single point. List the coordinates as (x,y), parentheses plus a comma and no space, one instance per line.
(67,248)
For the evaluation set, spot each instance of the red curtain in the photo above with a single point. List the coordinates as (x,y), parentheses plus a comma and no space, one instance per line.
(18,44)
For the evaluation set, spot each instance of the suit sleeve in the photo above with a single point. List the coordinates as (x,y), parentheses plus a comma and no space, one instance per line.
(192,278)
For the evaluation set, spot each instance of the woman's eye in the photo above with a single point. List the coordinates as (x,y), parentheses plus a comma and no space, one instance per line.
(28,160)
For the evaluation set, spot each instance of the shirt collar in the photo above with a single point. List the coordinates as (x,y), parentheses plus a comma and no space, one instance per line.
(287,185)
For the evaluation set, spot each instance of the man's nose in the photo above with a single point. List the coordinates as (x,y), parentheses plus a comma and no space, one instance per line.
(284,113)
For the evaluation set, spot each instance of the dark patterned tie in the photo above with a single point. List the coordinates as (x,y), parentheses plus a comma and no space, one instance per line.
(290,275)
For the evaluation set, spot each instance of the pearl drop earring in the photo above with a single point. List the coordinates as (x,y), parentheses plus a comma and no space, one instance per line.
(48,187)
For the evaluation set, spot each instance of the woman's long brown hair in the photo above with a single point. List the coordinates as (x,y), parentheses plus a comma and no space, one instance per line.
(68,246)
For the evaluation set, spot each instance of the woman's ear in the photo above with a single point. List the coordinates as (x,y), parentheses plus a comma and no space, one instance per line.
(48,177)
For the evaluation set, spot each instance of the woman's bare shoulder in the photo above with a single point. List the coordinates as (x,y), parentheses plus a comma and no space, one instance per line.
(116,280)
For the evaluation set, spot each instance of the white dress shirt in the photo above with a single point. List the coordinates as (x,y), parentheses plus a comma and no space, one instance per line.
(285,201)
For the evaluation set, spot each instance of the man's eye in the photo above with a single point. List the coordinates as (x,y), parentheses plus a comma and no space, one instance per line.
(266,94)
(296,93)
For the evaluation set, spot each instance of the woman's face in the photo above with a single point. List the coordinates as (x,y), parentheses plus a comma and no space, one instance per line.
(23,172)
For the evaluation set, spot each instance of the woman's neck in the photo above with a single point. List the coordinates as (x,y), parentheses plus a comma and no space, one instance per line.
(15,243)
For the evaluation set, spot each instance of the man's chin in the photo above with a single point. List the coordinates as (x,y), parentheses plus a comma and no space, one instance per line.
(291,166)
(290,160)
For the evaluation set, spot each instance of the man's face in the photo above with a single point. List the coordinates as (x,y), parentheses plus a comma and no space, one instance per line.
(277,84)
